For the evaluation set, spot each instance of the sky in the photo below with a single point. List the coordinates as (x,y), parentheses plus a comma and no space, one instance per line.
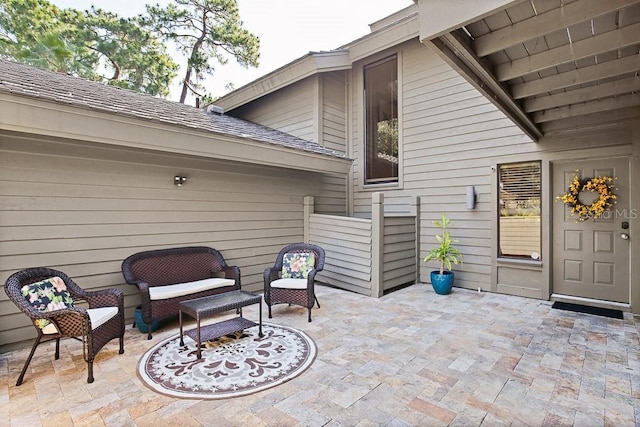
(287,29)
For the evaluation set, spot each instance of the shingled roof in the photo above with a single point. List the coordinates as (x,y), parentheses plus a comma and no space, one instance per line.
(24,80)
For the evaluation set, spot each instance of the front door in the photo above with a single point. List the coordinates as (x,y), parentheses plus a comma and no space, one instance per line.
(591,258)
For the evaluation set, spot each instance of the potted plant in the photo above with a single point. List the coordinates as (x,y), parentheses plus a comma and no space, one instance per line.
(446,254)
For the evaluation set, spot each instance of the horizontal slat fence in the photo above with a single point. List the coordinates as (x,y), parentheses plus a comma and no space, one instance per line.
(367,256)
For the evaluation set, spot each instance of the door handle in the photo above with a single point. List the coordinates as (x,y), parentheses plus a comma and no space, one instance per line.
(624,236)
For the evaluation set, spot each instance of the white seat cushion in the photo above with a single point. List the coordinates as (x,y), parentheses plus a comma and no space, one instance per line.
(187,288)
(50,329)
(289,283)
(98,317)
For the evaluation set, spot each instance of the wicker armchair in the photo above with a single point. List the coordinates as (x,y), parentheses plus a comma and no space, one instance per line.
(296,290)
(74,322)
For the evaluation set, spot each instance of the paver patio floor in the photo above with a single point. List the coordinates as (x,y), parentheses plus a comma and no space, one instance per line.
(410,358)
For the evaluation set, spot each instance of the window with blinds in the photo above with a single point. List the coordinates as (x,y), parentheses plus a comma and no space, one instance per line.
(519,210)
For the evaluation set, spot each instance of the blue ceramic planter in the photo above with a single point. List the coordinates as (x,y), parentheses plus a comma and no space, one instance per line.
(142,327)
(442,283)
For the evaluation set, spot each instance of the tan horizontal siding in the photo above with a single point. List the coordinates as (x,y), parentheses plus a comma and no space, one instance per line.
(451,135)
(82,211)
(289,110)
(334,109)
(347,243)
(399,251)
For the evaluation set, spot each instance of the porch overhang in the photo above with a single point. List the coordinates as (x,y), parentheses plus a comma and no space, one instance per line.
(41,118)
(552,66)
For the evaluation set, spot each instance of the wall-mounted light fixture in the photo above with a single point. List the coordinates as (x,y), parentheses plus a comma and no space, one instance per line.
(471,197)
(179,180)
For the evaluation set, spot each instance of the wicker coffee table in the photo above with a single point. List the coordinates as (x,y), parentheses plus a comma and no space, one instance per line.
(208,306)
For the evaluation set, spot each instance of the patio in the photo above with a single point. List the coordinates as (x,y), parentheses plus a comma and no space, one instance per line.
(409,358)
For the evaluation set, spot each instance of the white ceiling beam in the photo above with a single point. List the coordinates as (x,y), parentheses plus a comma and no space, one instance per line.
(587,122)
(592,46)
(584,94)
(576,77)
(624,101)
(548,22)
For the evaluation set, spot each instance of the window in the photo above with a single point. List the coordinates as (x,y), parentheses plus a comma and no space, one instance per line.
(519,205)
(381,121)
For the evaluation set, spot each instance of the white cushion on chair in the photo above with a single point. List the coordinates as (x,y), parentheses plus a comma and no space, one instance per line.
(180,289)
(290,283)
(50,329)
(98,317)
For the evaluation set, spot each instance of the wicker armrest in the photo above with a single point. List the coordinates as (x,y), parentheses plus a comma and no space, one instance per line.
(270,274)
(233,272)
(105,298)
(71,322)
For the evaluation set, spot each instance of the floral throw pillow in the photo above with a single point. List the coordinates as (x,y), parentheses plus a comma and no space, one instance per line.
(48,295)
(298,265)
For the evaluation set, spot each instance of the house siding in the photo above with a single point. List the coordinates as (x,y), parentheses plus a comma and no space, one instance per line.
(318,102)
(292,110)
(451,136)
(334,111)
(83,209)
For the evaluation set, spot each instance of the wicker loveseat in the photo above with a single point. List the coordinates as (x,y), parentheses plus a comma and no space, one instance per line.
(165,277)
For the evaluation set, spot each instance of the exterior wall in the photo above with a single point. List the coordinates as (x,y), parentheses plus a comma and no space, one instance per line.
(334,111)
(293,110)
(314,109)
(83,209)
(452,137)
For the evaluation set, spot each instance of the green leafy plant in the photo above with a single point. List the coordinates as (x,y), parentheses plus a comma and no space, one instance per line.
(446,254)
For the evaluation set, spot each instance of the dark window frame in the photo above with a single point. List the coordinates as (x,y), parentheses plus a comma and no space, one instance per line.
(377,161)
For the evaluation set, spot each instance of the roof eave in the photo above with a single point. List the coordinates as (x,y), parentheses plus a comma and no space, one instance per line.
(438,17)
(406,27)
(303,67)
(34,116)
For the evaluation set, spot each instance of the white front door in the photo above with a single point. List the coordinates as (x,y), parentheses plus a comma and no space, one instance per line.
(591,258)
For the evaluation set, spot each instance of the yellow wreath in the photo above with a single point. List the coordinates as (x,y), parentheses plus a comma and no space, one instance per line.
(603,185)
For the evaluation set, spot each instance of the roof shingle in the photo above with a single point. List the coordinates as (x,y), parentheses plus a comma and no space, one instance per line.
(34,82)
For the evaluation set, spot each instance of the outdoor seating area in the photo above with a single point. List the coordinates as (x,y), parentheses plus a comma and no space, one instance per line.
(410,357)
(166,277)
(461,182)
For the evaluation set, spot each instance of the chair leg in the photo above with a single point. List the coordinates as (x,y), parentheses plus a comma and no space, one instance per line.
(309,315)
(317,302)
(269,311)
(90,371)
(149,329)
(121,345)
(57,356)
(26,365)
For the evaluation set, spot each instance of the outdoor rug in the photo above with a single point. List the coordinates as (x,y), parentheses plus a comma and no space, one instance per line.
(579,308)
(234,365)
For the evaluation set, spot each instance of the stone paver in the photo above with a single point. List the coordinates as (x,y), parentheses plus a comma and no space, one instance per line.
(410,358)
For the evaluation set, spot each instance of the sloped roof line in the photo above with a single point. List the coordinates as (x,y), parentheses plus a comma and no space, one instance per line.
(311,63)
(32,82)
